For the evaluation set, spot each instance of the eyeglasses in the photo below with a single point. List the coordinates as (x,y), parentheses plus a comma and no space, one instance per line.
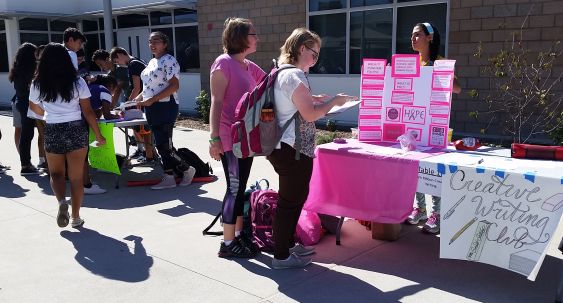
(315,53)
(253,34)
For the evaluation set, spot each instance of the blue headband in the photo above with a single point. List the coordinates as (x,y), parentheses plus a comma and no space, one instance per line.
(428,28)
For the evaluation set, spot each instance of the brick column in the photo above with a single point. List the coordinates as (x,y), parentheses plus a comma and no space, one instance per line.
(274,20)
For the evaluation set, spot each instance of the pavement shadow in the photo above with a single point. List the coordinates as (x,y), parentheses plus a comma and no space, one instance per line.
(9,189)
(108,257)
(43,181)
(415,257)
(316,283)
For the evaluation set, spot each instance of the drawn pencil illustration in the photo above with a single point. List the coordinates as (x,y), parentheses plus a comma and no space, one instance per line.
(478,242)
(463,229)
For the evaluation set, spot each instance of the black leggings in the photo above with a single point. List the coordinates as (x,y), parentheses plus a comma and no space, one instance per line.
(237,172)
(27,132)
(171,162)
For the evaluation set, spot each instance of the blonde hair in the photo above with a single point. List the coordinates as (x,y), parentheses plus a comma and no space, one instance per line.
(289,52)
(235,35)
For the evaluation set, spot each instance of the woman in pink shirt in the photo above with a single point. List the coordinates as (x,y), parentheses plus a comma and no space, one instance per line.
(231,76)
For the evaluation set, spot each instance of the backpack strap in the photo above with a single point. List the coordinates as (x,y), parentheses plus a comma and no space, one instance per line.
(206,231)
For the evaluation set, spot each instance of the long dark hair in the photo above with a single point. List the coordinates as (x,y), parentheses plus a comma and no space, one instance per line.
(435,43)
(55,74)
(24,63)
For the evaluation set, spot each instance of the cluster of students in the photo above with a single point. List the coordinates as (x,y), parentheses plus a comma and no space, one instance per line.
(64,98)
(56,94)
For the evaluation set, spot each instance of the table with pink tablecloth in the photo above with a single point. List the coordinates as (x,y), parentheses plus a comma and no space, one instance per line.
(364,181)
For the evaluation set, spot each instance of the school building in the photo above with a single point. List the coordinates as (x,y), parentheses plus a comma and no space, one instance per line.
(350,29)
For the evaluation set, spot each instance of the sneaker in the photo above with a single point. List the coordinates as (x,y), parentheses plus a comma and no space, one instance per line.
(43,165)
(145,161)
(246,241)
(137,154)
(168,181)
(77,222)
(62,215)
(4,167)
(416,216)
(294,261)
(302,250)
(95,189)
(234,250)
(29,170)
(188,177)
(432,226)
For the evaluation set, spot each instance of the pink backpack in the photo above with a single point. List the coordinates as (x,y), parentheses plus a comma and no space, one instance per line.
(256,131)
(263,204)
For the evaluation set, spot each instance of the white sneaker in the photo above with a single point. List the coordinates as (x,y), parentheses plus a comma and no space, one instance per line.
(188,177)
(95,189)
(294,261)
(77,222)
(168,181)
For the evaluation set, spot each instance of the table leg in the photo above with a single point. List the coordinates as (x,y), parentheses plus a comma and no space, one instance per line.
(338,228)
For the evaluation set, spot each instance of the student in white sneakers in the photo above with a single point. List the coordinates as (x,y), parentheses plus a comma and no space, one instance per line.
(160,84)
(64,97)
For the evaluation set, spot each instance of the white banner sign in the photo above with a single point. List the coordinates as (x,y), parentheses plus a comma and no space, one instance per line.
(506,219)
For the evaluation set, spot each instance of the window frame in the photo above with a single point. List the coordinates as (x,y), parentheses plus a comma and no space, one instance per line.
(395,6)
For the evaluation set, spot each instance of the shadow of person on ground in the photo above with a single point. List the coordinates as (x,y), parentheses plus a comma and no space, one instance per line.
(316,283)
(9,189)
(108,257)
(43,181)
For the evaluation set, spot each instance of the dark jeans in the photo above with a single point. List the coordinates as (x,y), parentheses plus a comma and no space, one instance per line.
(27,132)
(171,162)
(294,177)
(237,172)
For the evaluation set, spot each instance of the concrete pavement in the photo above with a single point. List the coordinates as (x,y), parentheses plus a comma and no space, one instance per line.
(140,245)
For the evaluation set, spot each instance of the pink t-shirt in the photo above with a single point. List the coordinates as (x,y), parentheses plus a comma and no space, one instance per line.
(239,81)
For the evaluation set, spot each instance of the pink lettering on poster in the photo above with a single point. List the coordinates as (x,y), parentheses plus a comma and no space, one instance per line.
(405,66)
(443,120)
(401,97)
(370,111)
(442,81)
(440,96)
(373,121)
(414,114)
(392,131)
(369,81)
(403,83)
(437,109)
(369,135)
(371,102)
(372,92)
(374,67)
(444,65)
(437,135)
(393,114)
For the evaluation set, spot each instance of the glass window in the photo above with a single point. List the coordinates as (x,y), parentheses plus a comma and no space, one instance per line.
(407,17)
(33,24)
(132,20)
(332,30)
(89,25)
(101,22)
(161,18)
(370,36)
(35,38)
(3,53)
(187,48)
(321,5)
(60,26)
(91,46)
(356,3)
(57,38)
(183,15)
(168,32)
(2,25)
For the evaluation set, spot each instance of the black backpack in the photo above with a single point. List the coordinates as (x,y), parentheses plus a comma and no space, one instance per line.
(202,169)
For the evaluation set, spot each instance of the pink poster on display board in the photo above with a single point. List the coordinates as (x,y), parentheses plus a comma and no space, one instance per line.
(371,91)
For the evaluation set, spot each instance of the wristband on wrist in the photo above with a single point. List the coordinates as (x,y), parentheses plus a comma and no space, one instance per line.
(214,139)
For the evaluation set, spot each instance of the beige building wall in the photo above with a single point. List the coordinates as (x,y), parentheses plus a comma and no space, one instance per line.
(492,22)
(274,20)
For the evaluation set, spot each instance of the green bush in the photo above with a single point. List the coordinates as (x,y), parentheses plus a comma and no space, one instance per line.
(325,138)
(203,105)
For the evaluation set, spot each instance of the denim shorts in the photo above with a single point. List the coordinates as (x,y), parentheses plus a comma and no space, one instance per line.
(62,138)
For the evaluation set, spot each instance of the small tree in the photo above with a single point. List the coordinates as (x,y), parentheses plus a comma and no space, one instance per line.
(526,95)
(203,105)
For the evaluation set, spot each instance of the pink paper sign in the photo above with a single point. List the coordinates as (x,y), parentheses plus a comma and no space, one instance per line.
(403,83)
(373,81)
(374,67)
(405,66)
(416,133)
(392,131)
(414,114)
(372,92)
(393,114)
(437,109)
(401,97)
(442,81)
(371,102)
(370,121)
(437,135)
(369,135)
(440,96)
(443,120)
(367,111)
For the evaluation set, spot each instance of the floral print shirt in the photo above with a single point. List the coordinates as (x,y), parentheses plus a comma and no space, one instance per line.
(156,75)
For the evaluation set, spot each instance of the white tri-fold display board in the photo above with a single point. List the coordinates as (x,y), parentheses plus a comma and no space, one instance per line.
(406,98)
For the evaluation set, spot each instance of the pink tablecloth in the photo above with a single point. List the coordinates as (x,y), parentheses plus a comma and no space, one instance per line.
(364,181)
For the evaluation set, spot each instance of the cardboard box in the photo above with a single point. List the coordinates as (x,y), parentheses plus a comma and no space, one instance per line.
(383,231)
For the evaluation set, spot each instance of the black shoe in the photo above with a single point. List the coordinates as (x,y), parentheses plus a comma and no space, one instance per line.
(246,241)
(29,170)
(234,250)
(43,165)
